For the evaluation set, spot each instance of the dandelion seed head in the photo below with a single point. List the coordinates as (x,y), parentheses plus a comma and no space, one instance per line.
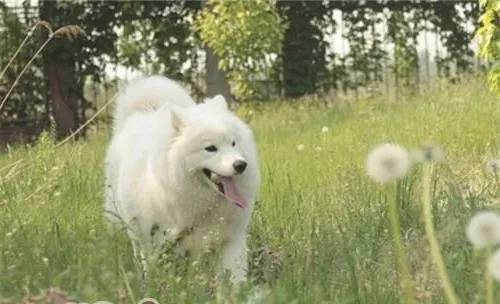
(300,147)
(324,129)
(428,153)
(494,265)
(387,163)
(493,166)
(45,260)
(483,229)
(71,31)
(44,24)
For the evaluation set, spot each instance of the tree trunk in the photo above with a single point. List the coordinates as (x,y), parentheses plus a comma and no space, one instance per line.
(216,79)
(59,70)
(302,53)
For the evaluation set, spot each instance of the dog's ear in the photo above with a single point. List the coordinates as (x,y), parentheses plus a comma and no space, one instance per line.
(177,122)
(218,102)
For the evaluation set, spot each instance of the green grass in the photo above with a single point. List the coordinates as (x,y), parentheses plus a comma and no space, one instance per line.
(317,210)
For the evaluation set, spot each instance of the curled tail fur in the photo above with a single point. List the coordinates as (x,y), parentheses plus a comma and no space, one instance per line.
(148,94)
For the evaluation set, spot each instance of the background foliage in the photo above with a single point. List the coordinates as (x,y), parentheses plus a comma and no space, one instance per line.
(488,36)
(26,103)
(167,37)
(244,34)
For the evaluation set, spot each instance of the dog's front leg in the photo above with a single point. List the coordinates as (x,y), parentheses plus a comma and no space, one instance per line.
(234,259)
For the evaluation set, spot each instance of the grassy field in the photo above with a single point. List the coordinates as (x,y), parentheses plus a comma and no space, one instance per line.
(320,232)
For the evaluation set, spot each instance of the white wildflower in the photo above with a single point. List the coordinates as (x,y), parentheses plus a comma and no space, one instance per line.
(300,147)
(324,129)
(45,261)
(483,229)
(494,265)
(493,166)
(387,163)
(428,153)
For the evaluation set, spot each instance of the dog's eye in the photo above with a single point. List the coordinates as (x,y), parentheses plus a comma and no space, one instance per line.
(234,143)
(211,148)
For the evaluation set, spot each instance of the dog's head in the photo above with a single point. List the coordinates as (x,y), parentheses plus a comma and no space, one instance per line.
(216,146)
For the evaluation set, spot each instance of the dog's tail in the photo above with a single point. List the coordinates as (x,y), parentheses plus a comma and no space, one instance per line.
(147,94)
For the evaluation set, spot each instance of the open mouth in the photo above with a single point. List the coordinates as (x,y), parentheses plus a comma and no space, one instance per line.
(214,178)
(226,186)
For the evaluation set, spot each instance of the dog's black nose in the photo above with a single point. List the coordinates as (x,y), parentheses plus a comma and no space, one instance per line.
(240,166)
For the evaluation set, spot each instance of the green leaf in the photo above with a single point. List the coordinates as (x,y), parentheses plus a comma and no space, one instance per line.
(240,32)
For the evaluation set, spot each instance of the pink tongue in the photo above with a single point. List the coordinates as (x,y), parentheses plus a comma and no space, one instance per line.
(231,193)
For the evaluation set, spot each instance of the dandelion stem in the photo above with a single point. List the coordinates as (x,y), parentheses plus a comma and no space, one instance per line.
(16,53)
(497,183)
(25,69)
(28,35)
(488,278)
(127,283)
(431,235)
(398,243)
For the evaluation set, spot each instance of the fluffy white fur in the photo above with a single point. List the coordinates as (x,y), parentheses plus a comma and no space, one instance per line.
(155,179)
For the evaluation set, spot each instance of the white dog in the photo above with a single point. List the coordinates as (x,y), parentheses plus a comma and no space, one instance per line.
(181,173)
